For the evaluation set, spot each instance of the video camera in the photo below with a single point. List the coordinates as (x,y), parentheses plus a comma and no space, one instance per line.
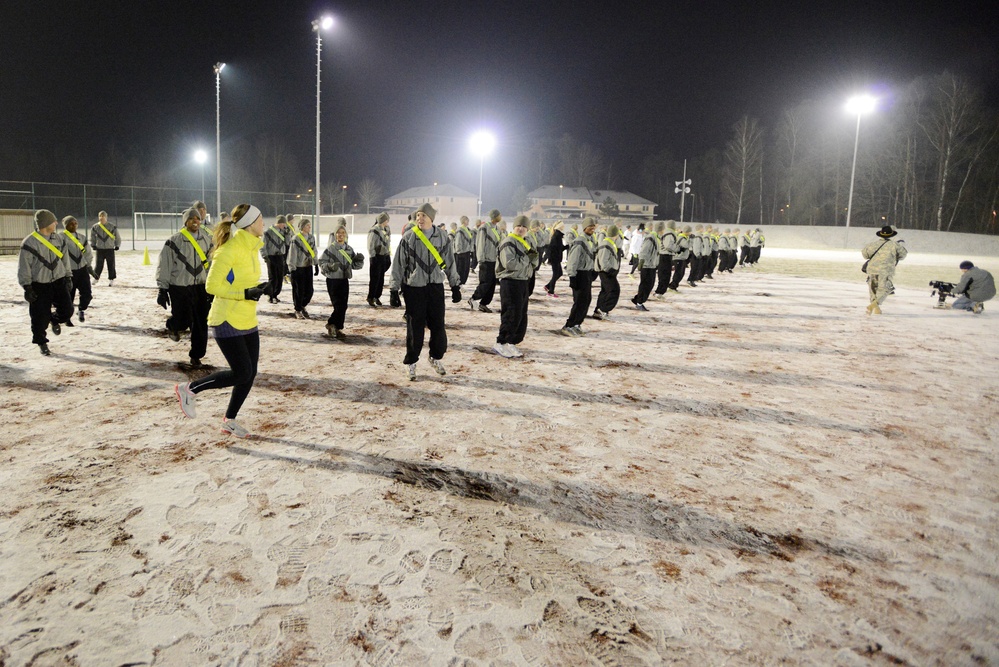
(941,290)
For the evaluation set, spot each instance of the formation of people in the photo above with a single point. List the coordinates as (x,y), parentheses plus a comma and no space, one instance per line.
(211,279)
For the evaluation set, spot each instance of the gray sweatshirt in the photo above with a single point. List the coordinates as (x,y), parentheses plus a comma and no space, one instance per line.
(487,242)
(338,261)
(582,254)
(682,248)
(648,254)
(608,260)
(100,240)
(275,241)
(978,283)
(78,259)
(378,242)
(180,265)
(298,256)
(514,261)
(416,267)
(667,243)
(464,240)
(38,264)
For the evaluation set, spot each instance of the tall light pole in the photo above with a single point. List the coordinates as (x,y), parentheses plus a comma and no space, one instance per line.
(859,104)
(201,157)
(318,26)
(343,200)
(682,187)
(482,144)
(218,67)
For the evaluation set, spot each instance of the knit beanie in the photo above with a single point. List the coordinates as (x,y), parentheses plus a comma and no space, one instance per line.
(382,217)
(282,220)
(303,222)
(427,210)
(188,214)
(521,221)
(495,215)
(660,227)
(613,231)
(70,218)
(43,218)
(340,222)
(589,222)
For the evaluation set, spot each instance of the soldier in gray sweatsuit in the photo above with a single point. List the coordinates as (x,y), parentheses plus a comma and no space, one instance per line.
(274,251)
(338,263)
(464,246)
(667,246)
(43,272)
(487,242)
(105,240)
(608,265)
(302,262)
(379,258)
(181,277)
(579,267)
(80,264)
(648,264)
(420,276)
(516,262)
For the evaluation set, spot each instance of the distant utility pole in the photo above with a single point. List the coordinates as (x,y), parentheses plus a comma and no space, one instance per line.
(684,190)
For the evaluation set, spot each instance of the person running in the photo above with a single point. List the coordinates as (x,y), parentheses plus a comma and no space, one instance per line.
(517,259)
(648,263)
(106,240)
(302,264)
(43,272)
(338,263)
(180,277)
(882,254)
(464,244)
(680,258)
(424,258)
(607,266)
(487,242)
(234,280)
(379,258)
(579,266)
(664,271)
(275,250)
(80,266)
(555,251)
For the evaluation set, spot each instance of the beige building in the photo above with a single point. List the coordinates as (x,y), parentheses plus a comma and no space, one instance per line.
(556,201)
(449,200)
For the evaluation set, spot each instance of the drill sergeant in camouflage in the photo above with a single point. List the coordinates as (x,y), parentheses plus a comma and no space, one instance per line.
(883,254)
(80,265)
(43,272)
(180,277)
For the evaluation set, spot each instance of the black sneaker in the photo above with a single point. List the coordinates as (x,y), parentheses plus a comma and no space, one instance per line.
(173,335)
(371,302)
(56,329)
(44,347)
(483,308)
(378,302)
(69,323)
(196,363)
(83,317)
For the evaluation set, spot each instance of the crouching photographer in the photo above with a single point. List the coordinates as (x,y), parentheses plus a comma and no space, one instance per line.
(975,288)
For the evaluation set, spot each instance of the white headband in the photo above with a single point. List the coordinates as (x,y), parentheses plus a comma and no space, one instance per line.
(249,217)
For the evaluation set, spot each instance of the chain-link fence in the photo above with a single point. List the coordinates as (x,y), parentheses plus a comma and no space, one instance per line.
(141,213)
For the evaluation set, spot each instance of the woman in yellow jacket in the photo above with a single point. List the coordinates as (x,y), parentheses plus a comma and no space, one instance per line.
(234,281)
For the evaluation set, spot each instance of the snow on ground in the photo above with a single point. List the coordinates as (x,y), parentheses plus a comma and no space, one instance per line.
(753,472)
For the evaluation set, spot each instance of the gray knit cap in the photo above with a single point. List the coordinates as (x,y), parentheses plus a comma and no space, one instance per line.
(382,217)
(44,218)
(427,210)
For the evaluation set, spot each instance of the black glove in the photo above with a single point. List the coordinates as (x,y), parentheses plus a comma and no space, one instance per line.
(573,282)
(316,272)
(29,294)
(93,274)
(116,247)
(455,295)
(254,293)
(394,299)
(163,298)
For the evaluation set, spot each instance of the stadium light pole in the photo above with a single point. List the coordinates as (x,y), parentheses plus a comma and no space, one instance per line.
(482,144)
(201,157)
(318,26)
(218,67)
(859,104)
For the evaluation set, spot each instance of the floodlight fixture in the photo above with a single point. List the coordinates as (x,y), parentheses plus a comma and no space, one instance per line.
(200,156)
(861,104)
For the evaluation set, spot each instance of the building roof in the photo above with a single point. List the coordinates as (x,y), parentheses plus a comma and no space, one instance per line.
(621,197)
(430,191)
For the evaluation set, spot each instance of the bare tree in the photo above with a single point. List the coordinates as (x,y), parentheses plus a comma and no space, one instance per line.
(743,158)
(334,194)
(368,194)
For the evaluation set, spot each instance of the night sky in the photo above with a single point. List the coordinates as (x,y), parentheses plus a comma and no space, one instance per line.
(405,83)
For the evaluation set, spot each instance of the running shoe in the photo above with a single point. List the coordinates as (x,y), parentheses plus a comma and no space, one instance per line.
(173,334)
(186,398)
(578,330)
(438,366)
(512,349)
(483,308)
(567,331)
(232,428)
(978,308)
(83,318)
(56,329)
(641,306)
(501,350)
(411,371)
(44,349)
(472,304)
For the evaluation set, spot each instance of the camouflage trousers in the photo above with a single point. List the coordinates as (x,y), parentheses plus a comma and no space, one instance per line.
(879,287)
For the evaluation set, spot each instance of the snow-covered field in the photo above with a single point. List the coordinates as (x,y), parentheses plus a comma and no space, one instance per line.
(753,472)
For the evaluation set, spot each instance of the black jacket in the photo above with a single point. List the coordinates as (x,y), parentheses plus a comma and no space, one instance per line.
(555,248)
